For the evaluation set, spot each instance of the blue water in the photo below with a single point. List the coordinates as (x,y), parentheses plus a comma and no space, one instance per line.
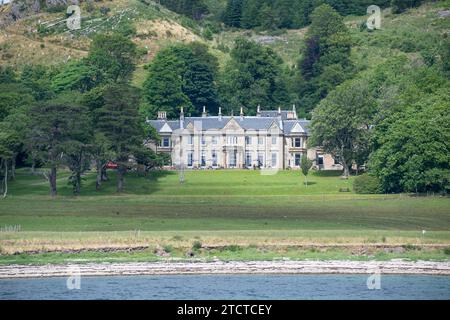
(218,287)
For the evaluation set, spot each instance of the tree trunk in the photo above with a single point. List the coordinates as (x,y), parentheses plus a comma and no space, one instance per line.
(77,184)
(120,176)
(52,181)
(104,174)
(98,182)
(5,190)
(13,167)
(346,169)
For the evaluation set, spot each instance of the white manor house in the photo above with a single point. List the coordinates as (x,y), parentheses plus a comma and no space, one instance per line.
(274,139)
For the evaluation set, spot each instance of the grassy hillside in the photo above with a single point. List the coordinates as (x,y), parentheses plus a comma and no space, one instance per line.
(37,40)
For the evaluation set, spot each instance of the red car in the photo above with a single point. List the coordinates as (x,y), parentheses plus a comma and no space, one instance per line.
(111,165)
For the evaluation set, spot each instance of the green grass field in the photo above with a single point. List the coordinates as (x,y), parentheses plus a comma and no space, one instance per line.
(219,209)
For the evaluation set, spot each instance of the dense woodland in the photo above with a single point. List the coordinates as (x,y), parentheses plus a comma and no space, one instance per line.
(391,121)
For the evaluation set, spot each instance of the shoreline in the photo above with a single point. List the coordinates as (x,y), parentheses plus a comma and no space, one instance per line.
(221,268)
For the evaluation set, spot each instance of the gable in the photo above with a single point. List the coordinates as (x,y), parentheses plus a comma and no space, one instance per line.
(166,129)
(297,128)
(274,128)
(233,125)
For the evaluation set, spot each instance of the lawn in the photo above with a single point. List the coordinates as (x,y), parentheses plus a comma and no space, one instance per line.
(218,208)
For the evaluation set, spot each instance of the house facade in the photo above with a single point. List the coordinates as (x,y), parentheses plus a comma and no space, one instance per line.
(274,139)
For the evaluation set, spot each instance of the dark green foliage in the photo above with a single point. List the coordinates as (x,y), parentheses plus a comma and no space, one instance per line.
(253,77)
(57,126)
(194,9)
(7,75)
(113,56)
(120,122)
(37,79)
(14,96)
(76,75)
(325,59)
(414,154)
(399,6)
(289,14)
(197,245)
(181,76)
(367,184)
(341,122)
(233,13)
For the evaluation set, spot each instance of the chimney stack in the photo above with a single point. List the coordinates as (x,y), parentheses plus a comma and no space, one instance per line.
(242,113)
(258,111)
(220,113)
(162,115)
(204,114)
(182,118)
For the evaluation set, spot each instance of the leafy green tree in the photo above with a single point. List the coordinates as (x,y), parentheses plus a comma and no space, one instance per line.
(233,13)
(13,130)
(113,55)
(399,6)
(102,153)
(76,75)
(305,165)
(413,153)
(37,79)
(194,9)
(341,122)
(181,75)
(325,59)
(163,88)
(54,127)
(120,122)
(254,76)
(7,75)
(14,96)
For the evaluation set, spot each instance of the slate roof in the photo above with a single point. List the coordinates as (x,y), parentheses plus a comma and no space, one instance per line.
(262,122)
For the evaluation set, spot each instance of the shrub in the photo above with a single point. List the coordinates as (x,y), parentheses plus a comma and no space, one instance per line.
(367,184)
(168,248)
(197,245)
(233,248)
(447,251)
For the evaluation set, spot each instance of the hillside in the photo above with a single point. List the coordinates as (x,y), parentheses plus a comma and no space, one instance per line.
(43,38)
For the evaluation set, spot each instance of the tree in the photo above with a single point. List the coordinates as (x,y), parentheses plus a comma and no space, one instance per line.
(37,79)
(55,126)
(233,13)
(181,75)
(113,55)
(163,88)
(77,153)
(120,122)
(325,59)
(76,75)
(194,9)
(102,153)
(305,165)
(341,121)
(399,6)
(253,77)
(413,153)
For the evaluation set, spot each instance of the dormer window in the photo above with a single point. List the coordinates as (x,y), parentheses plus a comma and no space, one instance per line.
(165,142)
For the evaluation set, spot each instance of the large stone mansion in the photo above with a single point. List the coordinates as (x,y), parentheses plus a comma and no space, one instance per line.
(274,139)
